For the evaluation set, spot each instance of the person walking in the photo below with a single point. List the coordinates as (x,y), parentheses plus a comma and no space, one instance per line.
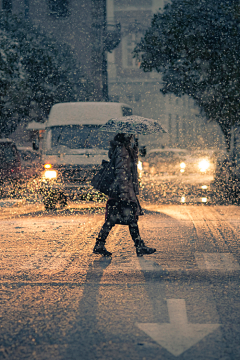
(123,203)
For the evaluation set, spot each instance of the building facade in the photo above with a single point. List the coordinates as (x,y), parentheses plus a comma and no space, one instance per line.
(79,23)
(93,29)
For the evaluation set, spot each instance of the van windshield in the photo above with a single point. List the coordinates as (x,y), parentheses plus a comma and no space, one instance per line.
(78,137)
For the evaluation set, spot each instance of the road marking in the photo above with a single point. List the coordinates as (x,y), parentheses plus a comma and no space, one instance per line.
(216,261)
(47,261)
(179,335)
(135,263)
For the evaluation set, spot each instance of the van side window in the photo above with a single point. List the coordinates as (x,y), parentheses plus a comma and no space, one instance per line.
(126,111)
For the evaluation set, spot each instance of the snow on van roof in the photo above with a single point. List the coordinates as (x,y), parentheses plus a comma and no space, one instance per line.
(95,113)
(33,125)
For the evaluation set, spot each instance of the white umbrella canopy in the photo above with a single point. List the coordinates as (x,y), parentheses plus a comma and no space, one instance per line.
(133,124)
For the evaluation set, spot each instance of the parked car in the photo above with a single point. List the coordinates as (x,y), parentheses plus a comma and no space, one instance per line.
(10,166)
(31,166)
(200,162)
(164,161)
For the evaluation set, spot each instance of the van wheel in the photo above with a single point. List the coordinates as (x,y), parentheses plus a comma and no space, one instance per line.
(50,201)
(62,201)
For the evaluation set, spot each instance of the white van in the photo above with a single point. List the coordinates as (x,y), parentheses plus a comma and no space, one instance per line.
(73,147)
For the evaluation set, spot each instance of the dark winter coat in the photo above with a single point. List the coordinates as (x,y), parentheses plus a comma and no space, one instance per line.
(126,185)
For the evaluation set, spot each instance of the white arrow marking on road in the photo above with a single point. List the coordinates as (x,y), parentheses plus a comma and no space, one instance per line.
(179,335)
(216,261)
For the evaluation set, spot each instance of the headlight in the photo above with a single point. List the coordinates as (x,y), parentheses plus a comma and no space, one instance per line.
(182,167)
(203,165)
(50,174)
(47,166)
(139,165)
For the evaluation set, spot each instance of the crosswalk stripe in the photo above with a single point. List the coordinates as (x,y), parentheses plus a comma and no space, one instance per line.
(135,264)
(216,261)
(47,261)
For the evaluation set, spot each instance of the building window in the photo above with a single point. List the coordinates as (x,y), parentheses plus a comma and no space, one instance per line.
(7,5)
(169,123)
(128,44)
(170,128)
(126,111)
(130,97)
(58,8)
(137,97)
(26,10)
(177,129)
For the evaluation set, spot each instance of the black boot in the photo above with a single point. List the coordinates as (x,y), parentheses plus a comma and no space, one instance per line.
(142,249)
(100,249)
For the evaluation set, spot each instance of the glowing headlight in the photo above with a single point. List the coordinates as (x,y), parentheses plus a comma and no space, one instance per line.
(47,166)
(50,174)
(139,165)
(182,165)
(203,165)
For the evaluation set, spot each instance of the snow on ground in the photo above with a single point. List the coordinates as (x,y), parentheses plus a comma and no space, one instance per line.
(10,202)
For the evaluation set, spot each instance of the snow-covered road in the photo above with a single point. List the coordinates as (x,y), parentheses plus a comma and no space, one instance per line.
(59,300)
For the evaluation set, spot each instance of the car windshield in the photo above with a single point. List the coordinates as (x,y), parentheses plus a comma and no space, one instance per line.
(7,154)
(78,137)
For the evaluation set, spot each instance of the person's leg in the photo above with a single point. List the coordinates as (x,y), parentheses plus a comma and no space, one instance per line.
(141,248)
(105,230)
(99,247)
(134,232)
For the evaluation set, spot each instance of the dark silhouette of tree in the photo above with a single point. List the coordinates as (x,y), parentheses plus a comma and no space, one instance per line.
(196,46)
(34,68)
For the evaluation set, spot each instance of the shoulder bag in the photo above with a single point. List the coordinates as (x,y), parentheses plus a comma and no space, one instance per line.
(104,178)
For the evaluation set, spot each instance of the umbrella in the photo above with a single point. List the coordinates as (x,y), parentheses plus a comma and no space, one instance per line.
(133,125)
